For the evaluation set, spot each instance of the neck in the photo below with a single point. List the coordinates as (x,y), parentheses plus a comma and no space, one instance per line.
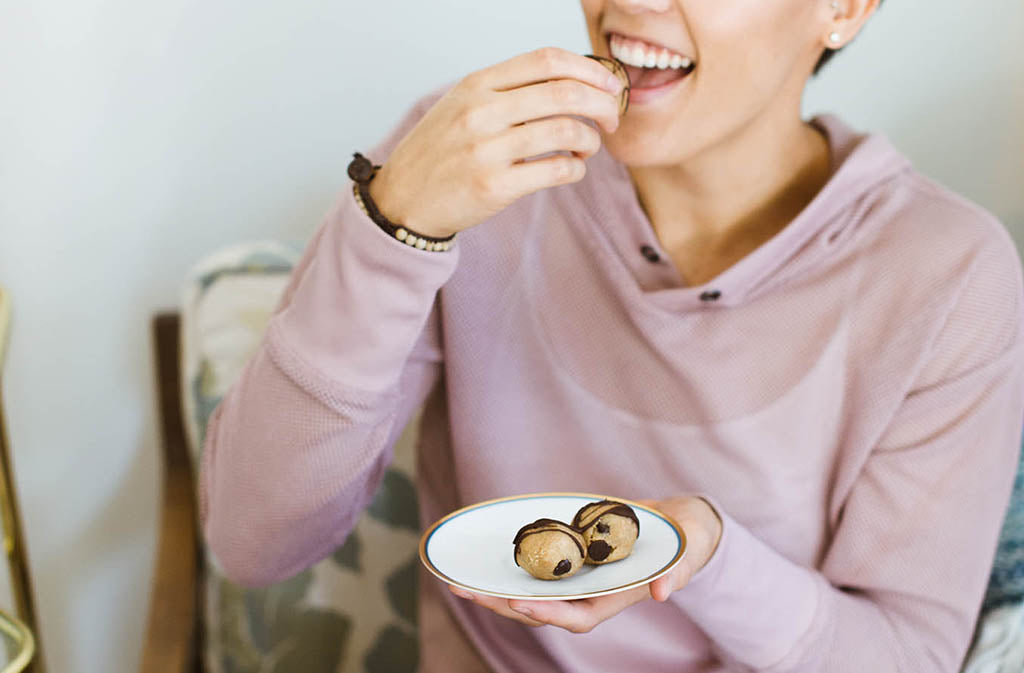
(738,192)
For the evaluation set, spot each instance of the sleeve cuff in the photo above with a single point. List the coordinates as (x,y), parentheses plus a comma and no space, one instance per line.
(754,603)
(362,300)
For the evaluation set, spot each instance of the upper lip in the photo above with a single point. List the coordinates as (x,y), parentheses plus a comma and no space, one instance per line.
(640,38)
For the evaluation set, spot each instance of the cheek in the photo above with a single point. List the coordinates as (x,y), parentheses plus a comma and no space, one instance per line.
(750,50)
(591,11)
(753,40)
(592,15)
(735,81)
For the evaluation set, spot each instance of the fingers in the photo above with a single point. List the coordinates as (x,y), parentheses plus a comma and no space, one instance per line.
(563,82)
(672,581)
(541,65)
(540,137)
(680,575)
(661,588)
(561,97)
(702,526)
(579,616)
(541,173)
(497,605)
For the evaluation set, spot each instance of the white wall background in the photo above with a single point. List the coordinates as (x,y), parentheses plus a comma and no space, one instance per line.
(136,137)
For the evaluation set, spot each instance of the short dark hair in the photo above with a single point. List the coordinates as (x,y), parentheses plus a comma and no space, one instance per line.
(827,55)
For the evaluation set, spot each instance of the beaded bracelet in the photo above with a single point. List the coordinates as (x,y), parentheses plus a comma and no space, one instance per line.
(362,172)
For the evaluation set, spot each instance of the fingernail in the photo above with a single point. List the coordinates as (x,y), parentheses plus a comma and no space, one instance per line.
(614,84)
(462,594)
(523,610)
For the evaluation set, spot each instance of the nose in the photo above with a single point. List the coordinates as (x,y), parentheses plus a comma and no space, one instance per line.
(638,6)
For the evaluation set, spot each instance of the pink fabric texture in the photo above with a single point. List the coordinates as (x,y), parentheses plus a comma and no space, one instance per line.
(852,405)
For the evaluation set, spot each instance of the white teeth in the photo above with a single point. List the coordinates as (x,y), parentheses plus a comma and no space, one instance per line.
(635,54)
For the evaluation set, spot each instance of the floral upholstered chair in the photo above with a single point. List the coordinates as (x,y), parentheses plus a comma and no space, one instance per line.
(355,610)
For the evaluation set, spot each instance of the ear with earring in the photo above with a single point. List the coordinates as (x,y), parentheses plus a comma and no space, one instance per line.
(834,37)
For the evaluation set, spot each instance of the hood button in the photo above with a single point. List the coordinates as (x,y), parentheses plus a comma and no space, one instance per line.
(650,254)
(710,295)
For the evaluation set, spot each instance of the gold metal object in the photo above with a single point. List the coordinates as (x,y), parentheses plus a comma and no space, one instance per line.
(21,637)
(25,630)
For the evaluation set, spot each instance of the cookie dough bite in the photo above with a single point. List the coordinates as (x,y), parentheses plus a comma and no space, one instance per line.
(549,549)
(609,530)
(620,71)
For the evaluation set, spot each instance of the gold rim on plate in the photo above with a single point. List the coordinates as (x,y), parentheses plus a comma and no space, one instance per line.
(680,553)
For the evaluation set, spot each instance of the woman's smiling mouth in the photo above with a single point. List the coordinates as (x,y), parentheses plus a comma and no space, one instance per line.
(653,69)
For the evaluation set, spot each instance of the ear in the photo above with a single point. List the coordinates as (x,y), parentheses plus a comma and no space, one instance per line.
(844,19)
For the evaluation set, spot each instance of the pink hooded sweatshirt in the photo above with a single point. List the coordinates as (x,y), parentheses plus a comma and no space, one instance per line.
(849,396)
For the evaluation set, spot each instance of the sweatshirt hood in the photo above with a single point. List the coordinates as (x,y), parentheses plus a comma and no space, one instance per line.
(860,165)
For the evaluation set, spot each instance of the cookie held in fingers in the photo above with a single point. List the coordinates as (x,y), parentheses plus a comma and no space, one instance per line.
(609,530)
(549,549)
(620,71)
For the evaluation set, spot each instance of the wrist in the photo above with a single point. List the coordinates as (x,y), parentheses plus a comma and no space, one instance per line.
(362,171)
(713,529)
(391,206)
(383,196)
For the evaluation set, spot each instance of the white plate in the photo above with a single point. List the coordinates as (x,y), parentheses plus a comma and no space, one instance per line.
(472,549)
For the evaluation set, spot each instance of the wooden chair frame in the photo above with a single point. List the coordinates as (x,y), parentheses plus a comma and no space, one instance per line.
(173,637)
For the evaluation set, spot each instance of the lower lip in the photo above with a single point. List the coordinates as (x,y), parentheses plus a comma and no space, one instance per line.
(641,96)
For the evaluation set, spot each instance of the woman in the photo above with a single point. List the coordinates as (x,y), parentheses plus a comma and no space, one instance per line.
(775,331)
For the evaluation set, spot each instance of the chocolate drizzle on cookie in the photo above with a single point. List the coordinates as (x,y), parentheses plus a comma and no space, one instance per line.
(598,538)
(542,526)
(589,514)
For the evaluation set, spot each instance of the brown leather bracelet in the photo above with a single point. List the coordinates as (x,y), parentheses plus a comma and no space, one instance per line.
(362,172)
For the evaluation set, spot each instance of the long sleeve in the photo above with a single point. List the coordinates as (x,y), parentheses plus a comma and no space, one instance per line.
(298,445)
(902,580)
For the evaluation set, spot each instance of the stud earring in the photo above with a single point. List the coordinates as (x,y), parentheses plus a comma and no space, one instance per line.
(834,38)
(835,5)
